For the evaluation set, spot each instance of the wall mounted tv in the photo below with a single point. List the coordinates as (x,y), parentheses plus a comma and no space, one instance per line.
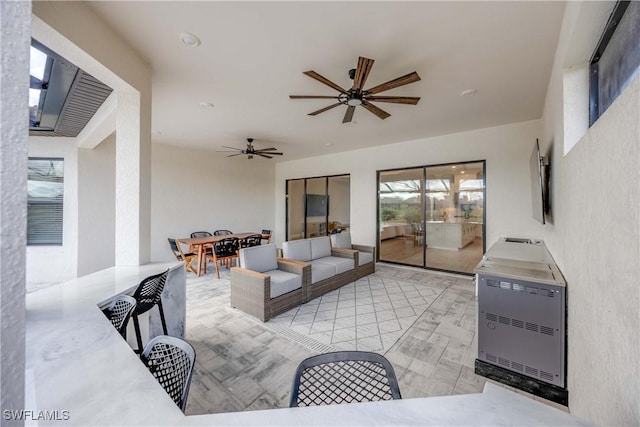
(540,189)
(317,204)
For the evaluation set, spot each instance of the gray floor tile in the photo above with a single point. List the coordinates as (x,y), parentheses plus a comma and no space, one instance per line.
(242,364)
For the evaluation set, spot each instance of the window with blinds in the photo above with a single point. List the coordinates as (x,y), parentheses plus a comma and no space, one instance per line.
(45,191)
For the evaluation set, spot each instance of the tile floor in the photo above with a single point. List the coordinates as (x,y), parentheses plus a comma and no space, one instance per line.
(243,364)
(369,315)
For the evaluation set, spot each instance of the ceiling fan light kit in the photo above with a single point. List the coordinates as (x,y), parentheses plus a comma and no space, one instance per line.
(251,151)
(357,96)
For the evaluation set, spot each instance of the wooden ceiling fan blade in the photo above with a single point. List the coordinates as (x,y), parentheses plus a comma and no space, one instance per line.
(362,72)
(263,155)
(400,81)
(348,115)
(233,155)
(412,100)
(274,154)
(377,111)
(322,110)
(324,80)
(312,97)
(232,148)
(267,149)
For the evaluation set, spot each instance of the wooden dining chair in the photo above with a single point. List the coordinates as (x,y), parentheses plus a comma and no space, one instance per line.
(224,251)
(251,240)
(208,248)
(266,235)
(188,258)
(222,232)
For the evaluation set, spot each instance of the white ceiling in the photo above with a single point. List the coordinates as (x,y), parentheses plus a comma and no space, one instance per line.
(253,54)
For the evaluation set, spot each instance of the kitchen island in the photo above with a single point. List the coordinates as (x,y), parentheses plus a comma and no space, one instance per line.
(452,235)
(78,364)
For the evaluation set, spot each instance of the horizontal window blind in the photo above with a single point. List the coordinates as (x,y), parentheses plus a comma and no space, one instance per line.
(45,201)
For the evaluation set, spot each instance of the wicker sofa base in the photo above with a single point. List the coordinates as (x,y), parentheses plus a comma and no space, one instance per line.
(365,270)
(322,287)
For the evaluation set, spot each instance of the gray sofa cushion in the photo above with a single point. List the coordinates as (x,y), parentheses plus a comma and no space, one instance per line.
(341,240)
(364,257)
(283,282)
(259,258)
(321,270)
(320,247)
(340,264)
(299,250)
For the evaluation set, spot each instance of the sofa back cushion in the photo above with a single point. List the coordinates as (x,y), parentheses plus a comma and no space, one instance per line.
(320,247)
(297,249)
(341,240)
(259,258)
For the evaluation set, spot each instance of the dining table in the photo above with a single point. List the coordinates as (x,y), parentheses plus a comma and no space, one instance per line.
(200,243)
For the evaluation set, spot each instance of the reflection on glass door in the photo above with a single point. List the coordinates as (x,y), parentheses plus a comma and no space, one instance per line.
(433,216)
(400,216)
(318,206)
(455,211)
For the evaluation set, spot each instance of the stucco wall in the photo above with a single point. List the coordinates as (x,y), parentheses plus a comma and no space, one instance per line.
(595,237)
(602,265)
(14,66)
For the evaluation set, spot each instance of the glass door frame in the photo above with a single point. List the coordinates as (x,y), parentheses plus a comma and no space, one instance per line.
(326,189)
(424,212)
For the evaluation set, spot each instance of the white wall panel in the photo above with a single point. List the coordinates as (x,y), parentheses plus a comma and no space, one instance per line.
(195,190)
(96,212)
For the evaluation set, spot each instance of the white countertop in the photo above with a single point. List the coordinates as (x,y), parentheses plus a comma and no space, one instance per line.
(77,362)
(530,261)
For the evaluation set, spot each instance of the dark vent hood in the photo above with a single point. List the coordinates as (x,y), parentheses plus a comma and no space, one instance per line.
(70,97)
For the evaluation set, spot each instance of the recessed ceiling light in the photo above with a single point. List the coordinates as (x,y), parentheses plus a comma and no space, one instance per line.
(469,92)
(453,167)
(329,144)
(190,39)
(156,132)
(204,104)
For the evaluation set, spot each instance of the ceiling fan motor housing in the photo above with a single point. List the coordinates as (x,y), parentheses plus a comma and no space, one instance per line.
(357,95)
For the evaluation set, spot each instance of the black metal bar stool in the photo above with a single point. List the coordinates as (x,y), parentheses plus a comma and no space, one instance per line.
(119,312)
(147,295)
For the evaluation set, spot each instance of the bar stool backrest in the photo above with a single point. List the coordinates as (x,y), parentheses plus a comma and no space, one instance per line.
(149,292)
(344,377)
(119,312)
(170,360)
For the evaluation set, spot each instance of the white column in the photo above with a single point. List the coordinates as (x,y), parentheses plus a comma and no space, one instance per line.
(15,25)
(133,198)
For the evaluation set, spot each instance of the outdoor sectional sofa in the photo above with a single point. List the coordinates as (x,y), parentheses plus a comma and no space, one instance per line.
(331,268)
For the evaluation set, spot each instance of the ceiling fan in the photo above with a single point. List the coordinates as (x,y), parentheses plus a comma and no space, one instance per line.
(358,96)
(251,151)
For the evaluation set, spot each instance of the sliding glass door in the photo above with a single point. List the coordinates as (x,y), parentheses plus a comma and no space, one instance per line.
(401,219)
(433,216)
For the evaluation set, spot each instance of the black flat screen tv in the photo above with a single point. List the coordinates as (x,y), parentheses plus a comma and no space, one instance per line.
(539,169)
(317,204)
